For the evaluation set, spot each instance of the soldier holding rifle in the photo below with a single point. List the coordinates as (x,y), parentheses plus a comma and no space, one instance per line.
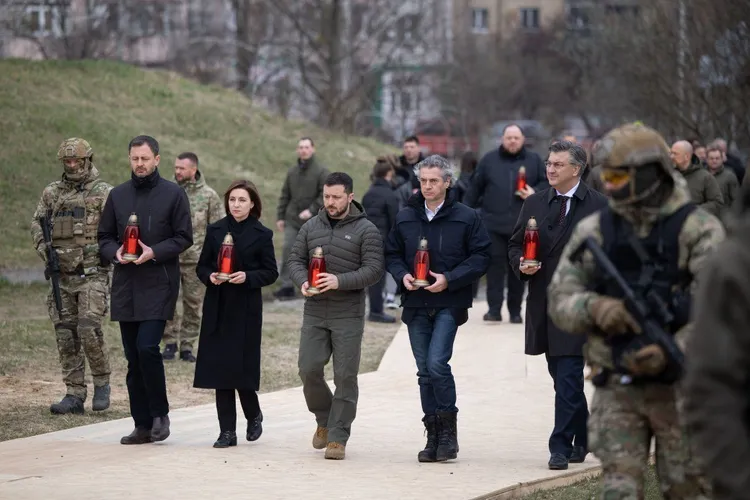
(63,230)
(636,314)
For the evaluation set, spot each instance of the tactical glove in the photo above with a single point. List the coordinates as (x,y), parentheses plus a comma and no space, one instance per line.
(649,361)
(611,316)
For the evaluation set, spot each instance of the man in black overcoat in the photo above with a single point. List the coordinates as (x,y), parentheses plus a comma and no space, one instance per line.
(144,292)
(557,210)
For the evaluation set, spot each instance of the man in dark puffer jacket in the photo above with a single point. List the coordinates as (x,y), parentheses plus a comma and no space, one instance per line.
(333,321)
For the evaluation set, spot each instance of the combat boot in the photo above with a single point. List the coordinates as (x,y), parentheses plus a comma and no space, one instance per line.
(101,398)
(429,454)
(170,350)
(68,404)
(447,437)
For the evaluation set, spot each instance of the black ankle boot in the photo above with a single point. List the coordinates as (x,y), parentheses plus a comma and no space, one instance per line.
(447,437)
(255,428)
(429,454)
(226,439)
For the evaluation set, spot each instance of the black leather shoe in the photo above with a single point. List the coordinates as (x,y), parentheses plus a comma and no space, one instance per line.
(557,461)
(491,316)
(226,439)
(187,356)
(255,428)
(160,430)
(140,435)
(516,318)
(578,455)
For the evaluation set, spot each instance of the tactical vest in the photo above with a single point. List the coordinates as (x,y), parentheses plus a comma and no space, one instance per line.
(661,247)
(74,232)
(651,266)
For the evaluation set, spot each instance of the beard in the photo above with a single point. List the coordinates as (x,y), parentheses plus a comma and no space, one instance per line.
(336,214)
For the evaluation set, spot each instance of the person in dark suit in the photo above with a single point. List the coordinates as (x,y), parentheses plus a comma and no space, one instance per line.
(230,337)
(381,206)
(557,210)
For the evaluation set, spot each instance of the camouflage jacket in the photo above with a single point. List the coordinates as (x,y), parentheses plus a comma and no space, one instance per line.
(206,207)
(76,209)
(569,292)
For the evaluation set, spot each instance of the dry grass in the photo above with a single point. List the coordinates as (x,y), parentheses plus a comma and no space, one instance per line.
(30,373)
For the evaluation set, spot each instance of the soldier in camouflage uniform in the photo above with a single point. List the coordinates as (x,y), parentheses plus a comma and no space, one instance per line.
(74,205)
(205,208)
(650,201)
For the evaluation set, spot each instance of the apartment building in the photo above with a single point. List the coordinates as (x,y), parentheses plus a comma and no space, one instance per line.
(504,18)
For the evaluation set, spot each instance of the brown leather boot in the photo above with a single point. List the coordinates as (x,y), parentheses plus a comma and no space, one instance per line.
(335,451)
(320,438)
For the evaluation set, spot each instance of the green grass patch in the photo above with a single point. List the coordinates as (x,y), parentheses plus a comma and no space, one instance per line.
(590,489)
(108,103)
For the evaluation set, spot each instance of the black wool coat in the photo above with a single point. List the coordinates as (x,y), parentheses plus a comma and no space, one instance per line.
(146,291)
(230,337)
(542,335)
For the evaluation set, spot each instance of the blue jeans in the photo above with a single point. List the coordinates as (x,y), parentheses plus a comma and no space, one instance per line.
(431,333)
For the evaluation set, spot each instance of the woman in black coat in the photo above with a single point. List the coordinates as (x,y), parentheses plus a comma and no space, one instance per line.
(230,337)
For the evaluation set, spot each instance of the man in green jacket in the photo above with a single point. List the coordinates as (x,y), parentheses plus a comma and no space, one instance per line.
(334,317)
(704,190)
(301,198)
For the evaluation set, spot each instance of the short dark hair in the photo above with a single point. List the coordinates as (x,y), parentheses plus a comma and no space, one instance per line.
(152,143)
(513,125)
(187,155)
(312,143)
(578,156)
(340,179)
(412,138)
(381,169)
(712,149)
(251,190)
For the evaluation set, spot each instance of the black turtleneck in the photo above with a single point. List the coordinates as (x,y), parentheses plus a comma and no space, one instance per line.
(238,227)
(146,182)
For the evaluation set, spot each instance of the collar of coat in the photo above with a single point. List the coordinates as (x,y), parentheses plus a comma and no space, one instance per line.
(580,192)
(417,201)
(356,211)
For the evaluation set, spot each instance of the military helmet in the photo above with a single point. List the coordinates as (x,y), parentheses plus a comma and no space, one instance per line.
(632,145)
(635,158)
(74,148)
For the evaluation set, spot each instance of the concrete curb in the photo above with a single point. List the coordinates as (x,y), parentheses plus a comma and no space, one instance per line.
(522,489)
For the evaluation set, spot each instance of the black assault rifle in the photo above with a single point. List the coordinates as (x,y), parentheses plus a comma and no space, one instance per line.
(650,313)
(52,271)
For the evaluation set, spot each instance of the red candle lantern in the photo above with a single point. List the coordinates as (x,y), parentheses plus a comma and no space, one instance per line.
(521,180)
(225,261)
(422,264)
(131,249)
(317,265)
(531,243)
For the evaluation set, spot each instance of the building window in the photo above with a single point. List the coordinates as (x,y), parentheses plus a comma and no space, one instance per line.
(578,18)
(530,18)
(43,20)
(480,20)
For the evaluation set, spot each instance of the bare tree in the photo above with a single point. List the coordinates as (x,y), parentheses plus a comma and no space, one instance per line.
(340,47)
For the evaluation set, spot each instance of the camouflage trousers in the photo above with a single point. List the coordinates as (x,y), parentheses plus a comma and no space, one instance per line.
(186,325)
(78,327)
(623,420)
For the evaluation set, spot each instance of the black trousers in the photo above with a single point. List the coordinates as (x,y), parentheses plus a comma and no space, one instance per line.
(147,385)
(571,409)
(497,273)
(375,293)
(226,407)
